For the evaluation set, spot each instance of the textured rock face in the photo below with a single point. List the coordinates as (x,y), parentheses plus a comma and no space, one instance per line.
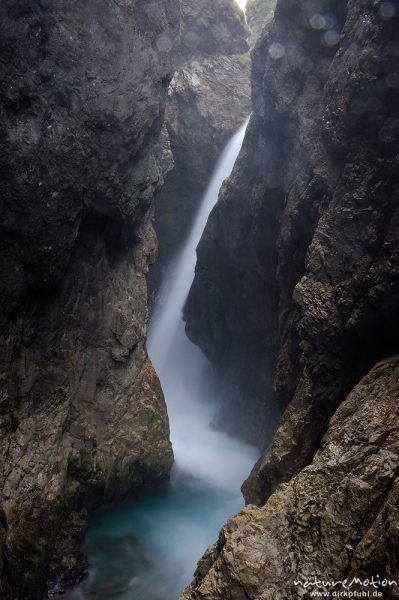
(338,240)
(214,68)
(259,13)
(212,28)
(336,520)
(298,266)
(199,123)
(83,419)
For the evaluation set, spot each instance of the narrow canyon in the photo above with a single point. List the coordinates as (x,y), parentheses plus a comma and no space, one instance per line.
(200,282)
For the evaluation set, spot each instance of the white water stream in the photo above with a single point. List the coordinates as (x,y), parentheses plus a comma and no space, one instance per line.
(185,375)
(148,550)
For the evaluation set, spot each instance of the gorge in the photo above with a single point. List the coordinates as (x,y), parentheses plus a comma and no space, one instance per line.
(148,549)
(111,111)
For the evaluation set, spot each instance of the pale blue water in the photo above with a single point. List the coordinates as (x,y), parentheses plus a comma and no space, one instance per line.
(148,549)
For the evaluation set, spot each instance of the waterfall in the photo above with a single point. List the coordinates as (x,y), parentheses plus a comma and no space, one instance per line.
(185,375)
(148,549)
(168,313)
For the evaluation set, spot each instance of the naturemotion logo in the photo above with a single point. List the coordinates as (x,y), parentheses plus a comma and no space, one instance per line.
(354,588)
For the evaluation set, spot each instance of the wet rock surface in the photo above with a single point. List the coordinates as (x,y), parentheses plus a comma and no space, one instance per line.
(83,419)
(259,13)
(296,283)
(337,245)
(296,289)
(212,28)
(294,301)
(83,151)
(208,100)
(335,521)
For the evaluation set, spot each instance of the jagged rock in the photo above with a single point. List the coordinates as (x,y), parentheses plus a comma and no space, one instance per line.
(259,13)
(336,520)
(208,99)
(295,294)
(83,419)
(296,287)
(339,222)
(212,28)
(199,123)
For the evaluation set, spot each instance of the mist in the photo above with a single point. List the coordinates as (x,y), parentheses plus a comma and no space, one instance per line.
(148,549)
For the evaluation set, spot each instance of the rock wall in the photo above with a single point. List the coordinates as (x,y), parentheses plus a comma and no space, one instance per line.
(83,419)
(212,28)
(336,520)
(208,99)
(259,13)
(296,292)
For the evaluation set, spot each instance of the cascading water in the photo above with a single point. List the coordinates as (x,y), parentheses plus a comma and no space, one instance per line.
(177,281)
(148,550)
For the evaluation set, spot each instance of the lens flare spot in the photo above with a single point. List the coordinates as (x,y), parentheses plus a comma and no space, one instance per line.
(317,22)
(331,38)
(276,50)
(164,44)
(387,10)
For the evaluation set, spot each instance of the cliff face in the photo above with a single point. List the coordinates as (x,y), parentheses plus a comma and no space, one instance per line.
(336,520)
(214,67)
(297,266)
(83,419)
(212,28)
(259,13)
(298,271)
(337,244)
